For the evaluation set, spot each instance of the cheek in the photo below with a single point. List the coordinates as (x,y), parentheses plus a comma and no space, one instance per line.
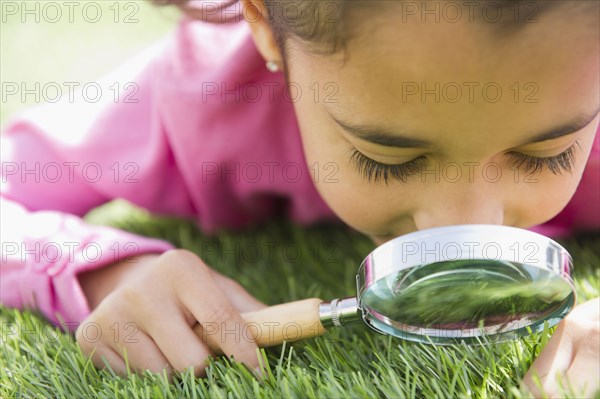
(539,201)
(367,207)
(360,208)
(360,204)
(327,154)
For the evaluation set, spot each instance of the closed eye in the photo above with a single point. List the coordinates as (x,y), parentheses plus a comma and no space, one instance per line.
(557,164)
(374,171)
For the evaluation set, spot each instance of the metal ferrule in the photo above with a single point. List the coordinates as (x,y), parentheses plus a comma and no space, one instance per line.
(339,312)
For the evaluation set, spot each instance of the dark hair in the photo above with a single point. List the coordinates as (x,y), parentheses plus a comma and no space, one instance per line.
(323,26)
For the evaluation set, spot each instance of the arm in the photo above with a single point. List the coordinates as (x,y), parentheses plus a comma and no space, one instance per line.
(59,161)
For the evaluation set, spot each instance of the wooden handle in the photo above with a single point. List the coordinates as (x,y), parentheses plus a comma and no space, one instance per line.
(271,326)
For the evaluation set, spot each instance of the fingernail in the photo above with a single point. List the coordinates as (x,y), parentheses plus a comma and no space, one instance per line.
(258,373)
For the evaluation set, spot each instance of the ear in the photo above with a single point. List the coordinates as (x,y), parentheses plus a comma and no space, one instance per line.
(255,13)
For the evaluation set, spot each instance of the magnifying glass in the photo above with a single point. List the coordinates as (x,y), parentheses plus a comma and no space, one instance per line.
(441,285)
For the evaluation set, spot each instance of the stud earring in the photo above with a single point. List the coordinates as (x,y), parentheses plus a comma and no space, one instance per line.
(272,66)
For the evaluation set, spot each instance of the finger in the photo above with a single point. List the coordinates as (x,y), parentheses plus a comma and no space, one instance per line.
(99,352)
(104,357)
(212,309)
(554,360)
(187,350)
(239,297)
(589,310)
(141,353)
(585,369)
(244,302)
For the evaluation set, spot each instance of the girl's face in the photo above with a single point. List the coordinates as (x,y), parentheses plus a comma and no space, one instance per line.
(438,119)
(470,123)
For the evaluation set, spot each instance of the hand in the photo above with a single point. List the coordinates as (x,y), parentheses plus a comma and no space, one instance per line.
(573,353)
(151,310)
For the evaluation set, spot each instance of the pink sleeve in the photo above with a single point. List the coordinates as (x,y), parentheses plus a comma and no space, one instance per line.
(59,161)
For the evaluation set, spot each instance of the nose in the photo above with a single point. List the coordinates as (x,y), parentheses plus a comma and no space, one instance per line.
(473,210)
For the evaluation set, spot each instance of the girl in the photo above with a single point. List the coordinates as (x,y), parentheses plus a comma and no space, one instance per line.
(392,116)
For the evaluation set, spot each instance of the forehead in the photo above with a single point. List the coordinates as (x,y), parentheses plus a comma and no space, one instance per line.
(387,55)
(385,38)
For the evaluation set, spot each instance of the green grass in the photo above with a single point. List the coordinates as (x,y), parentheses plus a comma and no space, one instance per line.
(348,362)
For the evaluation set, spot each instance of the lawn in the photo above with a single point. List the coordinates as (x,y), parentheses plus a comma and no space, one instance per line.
(319,260)
(348,362)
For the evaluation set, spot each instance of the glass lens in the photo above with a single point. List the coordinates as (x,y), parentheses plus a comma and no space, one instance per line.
(466,299)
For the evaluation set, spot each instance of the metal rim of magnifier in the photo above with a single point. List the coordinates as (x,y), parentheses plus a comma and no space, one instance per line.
(450,243)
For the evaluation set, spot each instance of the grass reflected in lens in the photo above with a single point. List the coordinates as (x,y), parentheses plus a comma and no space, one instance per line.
(469,294)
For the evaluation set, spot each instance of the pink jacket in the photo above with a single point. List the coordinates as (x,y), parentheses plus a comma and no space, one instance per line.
(194,127)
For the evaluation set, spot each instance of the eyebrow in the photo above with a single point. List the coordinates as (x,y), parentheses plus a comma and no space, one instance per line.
(385,137)
(381,136)
(575,125)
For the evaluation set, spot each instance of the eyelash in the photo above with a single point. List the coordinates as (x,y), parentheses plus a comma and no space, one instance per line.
(556,164)
(376,171)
